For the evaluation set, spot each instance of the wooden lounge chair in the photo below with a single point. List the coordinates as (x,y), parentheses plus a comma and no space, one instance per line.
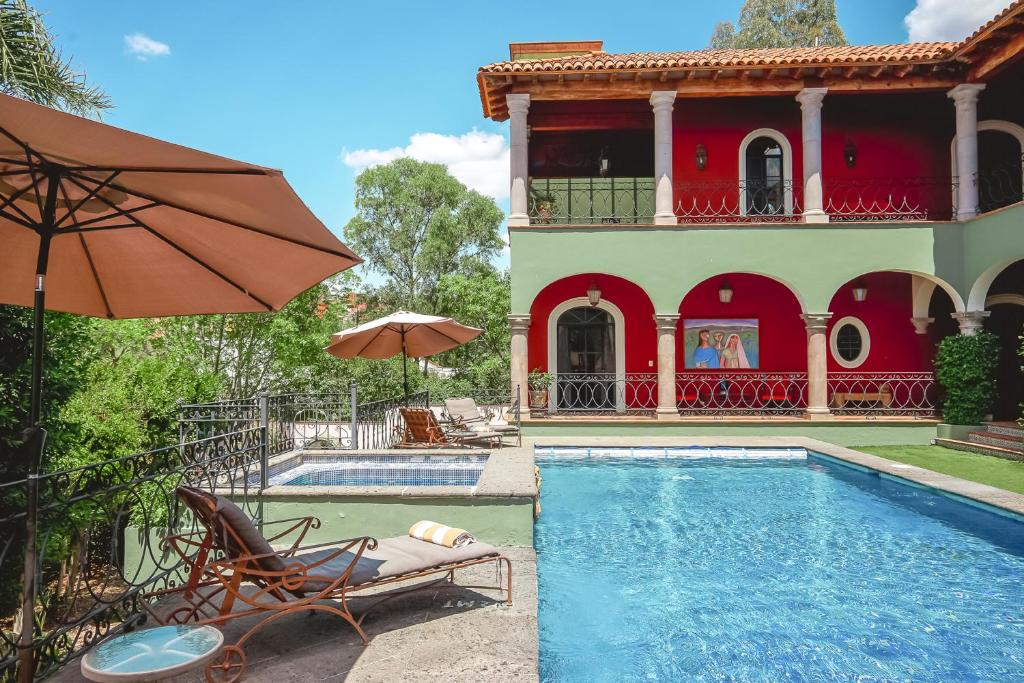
(252,579)
(465,414)
(422,429)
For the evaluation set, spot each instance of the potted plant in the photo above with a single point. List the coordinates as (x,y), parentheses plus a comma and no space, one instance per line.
(540,383)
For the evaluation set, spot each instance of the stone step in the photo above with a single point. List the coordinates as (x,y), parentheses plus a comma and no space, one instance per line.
(988,438)
(1008,428)
(980,449)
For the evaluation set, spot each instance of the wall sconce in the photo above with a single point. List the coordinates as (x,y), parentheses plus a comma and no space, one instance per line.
(702,157)
(604,163)
(725,292)
(594,294)
(850,154)
(860,290)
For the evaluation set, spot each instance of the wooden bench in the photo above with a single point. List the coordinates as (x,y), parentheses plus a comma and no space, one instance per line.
(882,396)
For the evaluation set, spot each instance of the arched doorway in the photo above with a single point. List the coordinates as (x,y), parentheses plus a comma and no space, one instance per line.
(1005,301)
(766,174)
(1000,164)
(585,360)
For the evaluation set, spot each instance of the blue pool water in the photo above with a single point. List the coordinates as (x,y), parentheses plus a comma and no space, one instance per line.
(783,569)
(380,470)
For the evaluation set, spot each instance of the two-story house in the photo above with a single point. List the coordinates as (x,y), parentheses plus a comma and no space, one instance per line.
(766,232)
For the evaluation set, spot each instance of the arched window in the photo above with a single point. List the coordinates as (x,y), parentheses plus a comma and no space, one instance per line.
(766,174)
(586,342)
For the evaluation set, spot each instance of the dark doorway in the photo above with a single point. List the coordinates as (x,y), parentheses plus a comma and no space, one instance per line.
(999,170)
(586,360)
(1006,302)
(764,185)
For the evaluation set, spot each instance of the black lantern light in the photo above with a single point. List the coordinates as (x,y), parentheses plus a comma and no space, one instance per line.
(702,157)
(725,292)
(850,154)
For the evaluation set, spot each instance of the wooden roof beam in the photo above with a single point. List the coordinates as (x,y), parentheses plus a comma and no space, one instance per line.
(876,71)
(996,58)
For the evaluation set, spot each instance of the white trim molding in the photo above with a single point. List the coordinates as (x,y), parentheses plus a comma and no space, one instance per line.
(787,166)
(619,322)
(1009,299)
(865,341)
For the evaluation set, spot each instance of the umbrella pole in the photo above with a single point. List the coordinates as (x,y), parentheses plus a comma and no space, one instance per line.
(405,368)
(35,435)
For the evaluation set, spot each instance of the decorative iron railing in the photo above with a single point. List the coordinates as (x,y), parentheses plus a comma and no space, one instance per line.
(888,199)
(97,540)
(601,393)
(731,201)
(588,201)
(999,187)
(883,393)
(741,393)
(309,421)
(380,423)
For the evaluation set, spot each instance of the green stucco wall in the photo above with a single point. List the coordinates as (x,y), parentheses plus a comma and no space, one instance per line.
(813,260)
(852,434)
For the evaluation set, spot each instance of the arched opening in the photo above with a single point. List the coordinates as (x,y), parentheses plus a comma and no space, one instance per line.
(603,356)
(1000,164)
(882,337)
(766,174)
(741,348)
(1005,302)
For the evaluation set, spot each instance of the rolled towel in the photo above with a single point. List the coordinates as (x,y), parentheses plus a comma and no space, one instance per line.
(449,537)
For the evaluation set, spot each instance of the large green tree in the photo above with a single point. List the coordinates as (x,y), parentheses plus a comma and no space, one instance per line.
(781,23)
(415,223)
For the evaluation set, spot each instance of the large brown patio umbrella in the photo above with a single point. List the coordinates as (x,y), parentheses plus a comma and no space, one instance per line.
(100,221)
(409,334)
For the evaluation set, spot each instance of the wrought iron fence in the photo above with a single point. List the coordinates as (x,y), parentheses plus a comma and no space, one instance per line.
(310,421)
(601,393)
(883,393)
(201,420)
(741,393)
(889,199)
(999,187)
(737,201)
(97,541)
(587,201)
(380,423)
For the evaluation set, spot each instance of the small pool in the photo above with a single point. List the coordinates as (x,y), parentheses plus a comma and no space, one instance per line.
(379,470)
(695,564)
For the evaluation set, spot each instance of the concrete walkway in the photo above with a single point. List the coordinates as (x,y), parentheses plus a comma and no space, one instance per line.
(451,634)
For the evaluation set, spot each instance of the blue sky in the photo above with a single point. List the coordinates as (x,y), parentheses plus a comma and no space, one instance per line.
(297,85)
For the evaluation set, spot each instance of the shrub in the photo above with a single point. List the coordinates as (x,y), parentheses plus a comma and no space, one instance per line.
(965,367)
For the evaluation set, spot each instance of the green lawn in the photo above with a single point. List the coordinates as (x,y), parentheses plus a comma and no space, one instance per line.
(984,469)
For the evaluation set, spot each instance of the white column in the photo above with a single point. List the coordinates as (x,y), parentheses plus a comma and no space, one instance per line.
(518,106)
(965,97)
(667,409)
(661,102)
(810,108)
(817,364)
(971,322)
(520,362)
(921,324)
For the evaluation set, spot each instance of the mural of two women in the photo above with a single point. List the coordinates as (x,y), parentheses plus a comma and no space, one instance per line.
(720,344)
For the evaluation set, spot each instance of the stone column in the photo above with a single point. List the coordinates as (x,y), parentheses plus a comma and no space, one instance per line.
(971,322)
(817,364)
(810,108)
(667,409)
(518,106)
(520,361)
(661,102)
(921,324)
(965,97)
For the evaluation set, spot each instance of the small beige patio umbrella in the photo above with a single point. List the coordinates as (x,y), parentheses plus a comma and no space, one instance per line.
(409,334)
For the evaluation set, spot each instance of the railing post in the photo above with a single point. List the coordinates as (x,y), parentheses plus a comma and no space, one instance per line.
(354,425)
(264,404)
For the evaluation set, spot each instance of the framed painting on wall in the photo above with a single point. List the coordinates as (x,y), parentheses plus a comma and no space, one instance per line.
(720,344)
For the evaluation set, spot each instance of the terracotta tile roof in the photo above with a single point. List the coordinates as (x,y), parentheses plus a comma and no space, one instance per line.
(1012,8)
(697,59)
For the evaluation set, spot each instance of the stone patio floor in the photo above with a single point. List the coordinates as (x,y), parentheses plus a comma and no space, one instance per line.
(448,634)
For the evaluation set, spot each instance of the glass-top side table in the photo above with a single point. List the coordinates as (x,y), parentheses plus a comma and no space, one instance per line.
(151,654)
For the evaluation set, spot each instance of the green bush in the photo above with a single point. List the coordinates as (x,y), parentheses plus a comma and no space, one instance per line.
(965,368)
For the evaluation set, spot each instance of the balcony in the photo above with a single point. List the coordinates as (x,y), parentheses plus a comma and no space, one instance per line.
(591,201)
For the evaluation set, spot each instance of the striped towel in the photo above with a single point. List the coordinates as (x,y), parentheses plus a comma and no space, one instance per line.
(449,537)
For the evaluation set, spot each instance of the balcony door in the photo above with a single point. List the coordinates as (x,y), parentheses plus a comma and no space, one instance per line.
(588,376)
(765,182)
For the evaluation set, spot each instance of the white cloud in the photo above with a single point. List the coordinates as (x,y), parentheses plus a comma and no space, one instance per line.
(479,160)
(949,19)
(144,47)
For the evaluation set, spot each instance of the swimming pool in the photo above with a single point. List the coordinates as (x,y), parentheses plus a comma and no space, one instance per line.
(688,566)
(379,470)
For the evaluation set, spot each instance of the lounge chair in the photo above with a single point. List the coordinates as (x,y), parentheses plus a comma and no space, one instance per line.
(465,414)
(422,430)
(251,578)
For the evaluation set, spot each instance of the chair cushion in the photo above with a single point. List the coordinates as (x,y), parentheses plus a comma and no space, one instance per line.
(254,541)
(393,557)
(463,410)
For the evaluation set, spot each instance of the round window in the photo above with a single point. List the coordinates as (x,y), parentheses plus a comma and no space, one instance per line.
(850,342)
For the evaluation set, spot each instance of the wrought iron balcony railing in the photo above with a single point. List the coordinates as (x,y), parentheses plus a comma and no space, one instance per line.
(588,201)
(999,187)
(741,393)
(732,201)
(889,199)
(601,393)
(913,394)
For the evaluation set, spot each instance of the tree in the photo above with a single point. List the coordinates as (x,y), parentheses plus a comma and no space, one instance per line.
(33,68)
(415,223)
(781,23)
